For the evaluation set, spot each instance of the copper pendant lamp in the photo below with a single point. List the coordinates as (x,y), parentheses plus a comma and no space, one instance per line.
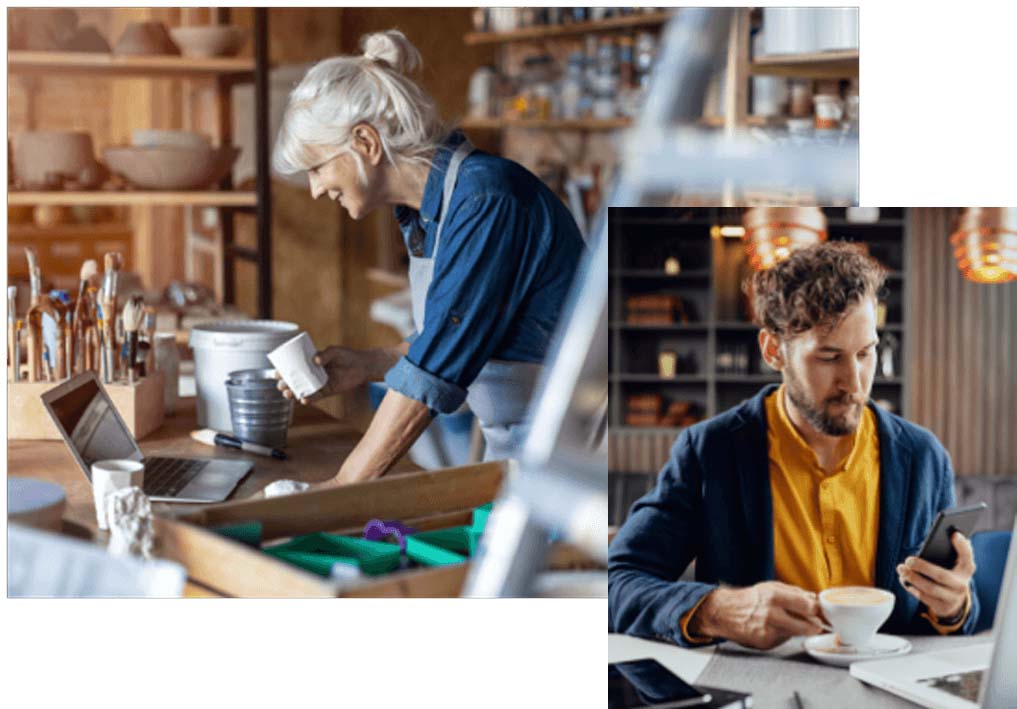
(772,234)
(985,244)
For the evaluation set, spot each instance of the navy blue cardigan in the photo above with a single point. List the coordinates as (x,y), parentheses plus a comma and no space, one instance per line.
(712,504)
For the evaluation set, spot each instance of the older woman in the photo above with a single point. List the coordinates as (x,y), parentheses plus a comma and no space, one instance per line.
(492,251)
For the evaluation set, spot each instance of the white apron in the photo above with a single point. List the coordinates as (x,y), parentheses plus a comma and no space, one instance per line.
(500,394)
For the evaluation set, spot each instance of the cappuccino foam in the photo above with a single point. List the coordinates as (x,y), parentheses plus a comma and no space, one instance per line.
(855,596)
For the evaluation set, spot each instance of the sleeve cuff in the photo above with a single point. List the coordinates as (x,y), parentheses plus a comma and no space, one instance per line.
(410,380)
(683,623)
(953,627)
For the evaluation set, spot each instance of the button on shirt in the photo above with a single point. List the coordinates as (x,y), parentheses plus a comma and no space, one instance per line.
(509,250)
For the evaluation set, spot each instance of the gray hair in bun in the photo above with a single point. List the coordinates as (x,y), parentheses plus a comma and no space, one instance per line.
(338,93)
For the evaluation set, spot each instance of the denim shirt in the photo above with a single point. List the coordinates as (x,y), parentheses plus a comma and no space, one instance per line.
(508,252)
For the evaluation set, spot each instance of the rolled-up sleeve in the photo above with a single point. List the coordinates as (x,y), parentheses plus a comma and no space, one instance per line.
(486,262)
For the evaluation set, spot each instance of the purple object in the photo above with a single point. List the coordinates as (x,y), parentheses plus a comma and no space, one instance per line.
(378,531)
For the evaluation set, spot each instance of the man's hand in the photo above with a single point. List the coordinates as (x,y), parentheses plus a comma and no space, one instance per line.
(943,591)
(761,616)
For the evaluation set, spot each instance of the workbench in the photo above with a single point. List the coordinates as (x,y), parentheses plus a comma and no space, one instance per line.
(317,446)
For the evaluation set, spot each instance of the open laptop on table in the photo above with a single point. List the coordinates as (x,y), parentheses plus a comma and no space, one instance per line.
(93,430)
(982,675)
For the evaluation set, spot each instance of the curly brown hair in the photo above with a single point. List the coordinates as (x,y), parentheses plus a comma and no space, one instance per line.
(814,288)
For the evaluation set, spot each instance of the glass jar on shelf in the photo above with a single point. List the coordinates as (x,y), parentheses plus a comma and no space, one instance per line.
(574,99)
(535,95)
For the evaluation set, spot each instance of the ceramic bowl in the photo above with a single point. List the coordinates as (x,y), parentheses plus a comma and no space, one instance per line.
(153,138)
(209,40)
(45,159)
(171,168)
(145,38)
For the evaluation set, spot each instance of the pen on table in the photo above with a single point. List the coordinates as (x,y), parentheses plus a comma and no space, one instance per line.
(798,702)
(214,438)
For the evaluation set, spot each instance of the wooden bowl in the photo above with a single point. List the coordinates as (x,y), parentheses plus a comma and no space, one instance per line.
(209,40)
(171,168)
(145,38)
(45,159)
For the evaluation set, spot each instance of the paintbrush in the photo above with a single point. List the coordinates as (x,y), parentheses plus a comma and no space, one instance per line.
(134,313)
(89,269)
(18,327)
(112,262)
(12,342)
(34,275)
(150,336)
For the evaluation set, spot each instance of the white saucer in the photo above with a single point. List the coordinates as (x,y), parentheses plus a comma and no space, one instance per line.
(824,649)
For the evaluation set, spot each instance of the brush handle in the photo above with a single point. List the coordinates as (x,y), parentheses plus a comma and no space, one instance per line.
(131,338)
(109,338)
(34,350)
(17,353)
(60,363)
(12,347)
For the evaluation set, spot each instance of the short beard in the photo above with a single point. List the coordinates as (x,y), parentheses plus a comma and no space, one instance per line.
(818,415)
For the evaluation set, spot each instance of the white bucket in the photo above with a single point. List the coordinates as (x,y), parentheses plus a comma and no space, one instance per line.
(224,347)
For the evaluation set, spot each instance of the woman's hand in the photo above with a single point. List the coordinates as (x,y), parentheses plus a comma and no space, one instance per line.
(346,368)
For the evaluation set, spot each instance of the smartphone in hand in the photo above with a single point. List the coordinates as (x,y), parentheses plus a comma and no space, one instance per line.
(938,547)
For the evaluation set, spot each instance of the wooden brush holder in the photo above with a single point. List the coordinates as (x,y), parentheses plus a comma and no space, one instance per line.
(139,404)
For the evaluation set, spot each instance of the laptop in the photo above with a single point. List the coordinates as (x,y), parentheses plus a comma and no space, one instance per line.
(93,429)
(980,675)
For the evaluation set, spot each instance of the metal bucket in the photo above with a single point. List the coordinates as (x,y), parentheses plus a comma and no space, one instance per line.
(260,412)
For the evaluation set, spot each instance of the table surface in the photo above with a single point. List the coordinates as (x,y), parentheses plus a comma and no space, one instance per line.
(316,444)
(772,677)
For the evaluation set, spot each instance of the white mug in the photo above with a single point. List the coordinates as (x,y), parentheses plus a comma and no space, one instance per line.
(294,360)
(108,476)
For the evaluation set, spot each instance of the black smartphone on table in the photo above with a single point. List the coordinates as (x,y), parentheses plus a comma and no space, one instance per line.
(938,547)
(641,684)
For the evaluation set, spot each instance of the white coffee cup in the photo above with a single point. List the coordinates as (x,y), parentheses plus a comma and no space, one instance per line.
(294,360)
(856,612)
(108,476)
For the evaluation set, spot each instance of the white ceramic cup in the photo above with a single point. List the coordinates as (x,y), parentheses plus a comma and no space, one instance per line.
(829,110)
(108,476)
(856,612)
(294,360)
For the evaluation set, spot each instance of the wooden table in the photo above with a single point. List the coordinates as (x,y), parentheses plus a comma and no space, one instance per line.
(317,445)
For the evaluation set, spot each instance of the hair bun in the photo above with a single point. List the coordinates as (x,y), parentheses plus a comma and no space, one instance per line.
(391,47)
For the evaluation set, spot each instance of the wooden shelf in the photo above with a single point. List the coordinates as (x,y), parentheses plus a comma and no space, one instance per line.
(753,121)
(747,378)
(561,124)
(657,379)
(34,231)
(649,19)
(678,327)
(112,65)
(818,65)
(136,198)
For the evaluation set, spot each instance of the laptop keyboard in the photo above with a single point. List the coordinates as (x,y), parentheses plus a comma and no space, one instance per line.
(165,477)
(962,684)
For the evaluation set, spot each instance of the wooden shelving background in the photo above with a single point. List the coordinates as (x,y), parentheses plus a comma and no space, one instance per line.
(817,65)
(553,124)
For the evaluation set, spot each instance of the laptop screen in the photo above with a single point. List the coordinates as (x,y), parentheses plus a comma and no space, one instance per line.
(89,423)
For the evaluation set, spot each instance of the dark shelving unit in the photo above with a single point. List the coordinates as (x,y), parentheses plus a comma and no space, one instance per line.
(711,271)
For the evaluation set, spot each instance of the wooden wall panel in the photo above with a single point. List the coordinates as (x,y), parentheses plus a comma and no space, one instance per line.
(963,363)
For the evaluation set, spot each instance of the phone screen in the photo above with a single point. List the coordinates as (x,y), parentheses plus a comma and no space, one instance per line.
(646,683)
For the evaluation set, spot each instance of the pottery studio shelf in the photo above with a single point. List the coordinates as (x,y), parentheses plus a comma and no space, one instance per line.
(649,19)
(137,198)
(583,124)
(816,65)
(111,65)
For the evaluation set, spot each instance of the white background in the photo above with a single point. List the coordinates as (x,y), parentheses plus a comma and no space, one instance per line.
(939,111)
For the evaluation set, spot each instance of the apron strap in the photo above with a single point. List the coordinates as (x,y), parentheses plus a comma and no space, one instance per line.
(451,176)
